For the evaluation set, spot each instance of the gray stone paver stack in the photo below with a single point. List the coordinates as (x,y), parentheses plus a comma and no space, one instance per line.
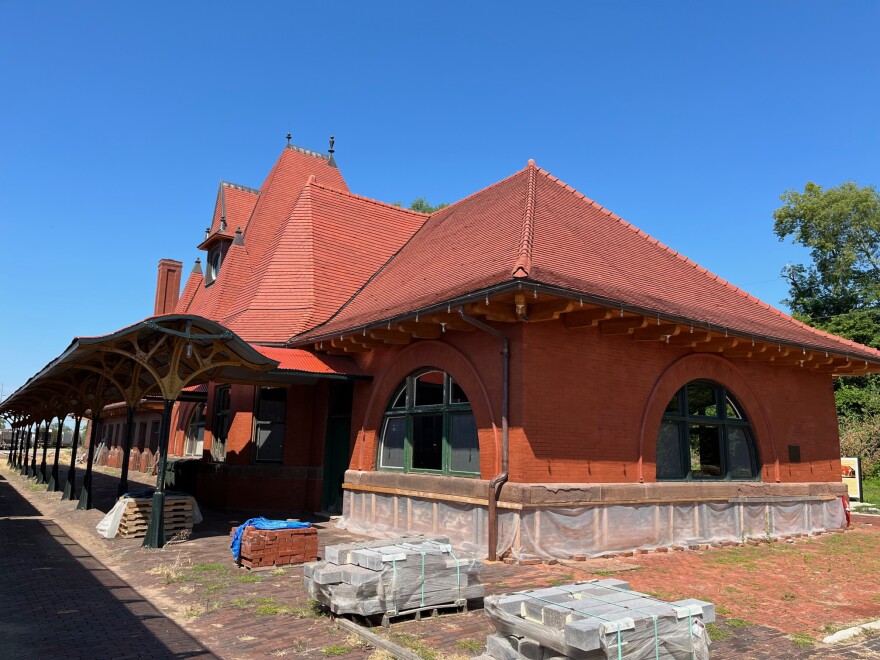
(392,577)
(596,619)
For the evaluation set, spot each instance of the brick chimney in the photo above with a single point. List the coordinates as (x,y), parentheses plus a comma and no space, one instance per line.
(167,286)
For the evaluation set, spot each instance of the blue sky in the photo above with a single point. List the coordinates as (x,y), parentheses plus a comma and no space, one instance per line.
(689,119)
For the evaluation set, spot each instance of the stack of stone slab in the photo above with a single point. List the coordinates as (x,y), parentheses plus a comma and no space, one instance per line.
(393,577)
(593,620)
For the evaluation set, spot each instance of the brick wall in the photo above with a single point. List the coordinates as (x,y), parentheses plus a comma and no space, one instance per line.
(586,407)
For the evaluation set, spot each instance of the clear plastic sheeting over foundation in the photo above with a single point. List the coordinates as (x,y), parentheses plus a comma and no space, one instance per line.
(591,531)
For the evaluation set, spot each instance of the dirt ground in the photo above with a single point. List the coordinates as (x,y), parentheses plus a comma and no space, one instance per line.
(774,599)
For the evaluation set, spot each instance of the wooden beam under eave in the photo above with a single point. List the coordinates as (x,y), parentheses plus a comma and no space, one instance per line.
(367,342)
(348,346)
(585,318)
(390,336)
(451,321)
(549,311)
(622,325)
(690,338)
(656,332)
(820,359)
(421,330)
(495,311)
(716,344)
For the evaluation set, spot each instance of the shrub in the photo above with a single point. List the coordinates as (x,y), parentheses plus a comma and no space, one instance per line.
(861,437)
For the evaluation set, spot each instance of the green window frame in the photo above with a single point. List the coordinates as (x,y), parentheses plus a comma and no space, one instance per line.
(429,427)
(706,436)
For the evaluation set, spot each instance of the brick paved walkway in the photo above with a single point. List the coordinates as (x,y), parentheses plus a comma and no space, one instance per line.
(235,614)
(57,600)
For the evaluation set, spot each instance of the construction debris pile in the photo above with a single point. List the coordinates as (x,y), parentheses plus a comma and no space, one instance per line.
(593,620)
(393,577)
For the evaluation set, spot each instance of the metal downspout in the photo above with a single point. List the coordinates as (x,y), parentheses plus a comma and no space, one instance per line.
(500,479)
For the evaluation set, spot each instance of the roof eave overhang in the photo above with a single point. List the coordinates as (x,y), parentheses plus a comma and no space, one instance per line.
(526,284)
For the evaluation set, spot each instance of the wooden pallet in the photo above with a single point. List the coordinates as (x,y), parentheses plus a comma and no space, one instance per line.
(136,519)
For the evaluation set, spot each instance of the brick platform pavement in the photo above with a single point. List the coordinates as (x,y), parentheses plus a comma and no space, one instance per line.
(58,601)
(236,614)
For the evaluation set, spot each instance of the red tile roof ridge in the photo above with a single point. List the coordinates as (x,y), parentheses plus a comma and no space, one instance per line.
(238,186)
(524,260)
(692,263)
(362,198)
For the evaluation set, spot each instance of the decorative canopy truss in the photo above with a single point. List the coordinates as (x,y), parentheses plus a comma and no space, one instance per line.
(159,356)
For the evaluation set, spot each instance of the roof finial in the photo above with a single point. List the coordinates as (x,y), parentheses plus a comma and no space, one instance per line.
(332,161)
(288,138)
(239,237)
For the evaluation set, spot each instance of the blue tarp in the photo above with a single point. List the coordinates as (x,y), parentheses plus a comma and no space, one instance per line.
(261,523)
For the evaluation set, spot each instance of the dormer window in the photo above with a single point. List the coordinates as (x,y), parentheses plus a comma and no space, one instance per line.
(215,258)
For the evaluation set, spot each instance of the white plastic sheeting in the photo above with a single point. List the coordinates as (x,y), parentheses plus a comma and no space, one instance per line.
(563,532)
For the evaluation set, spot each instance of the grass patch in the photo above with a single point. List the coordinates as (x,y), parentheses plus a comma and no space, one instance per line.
(272,609)
(871,490)
(802,640)
(562,579)
(205,568)
(413,643)
(337,649)
(737,623)
(723,611)
(247,577)
(717,633)
(469,645)
(311,610)
(277,571)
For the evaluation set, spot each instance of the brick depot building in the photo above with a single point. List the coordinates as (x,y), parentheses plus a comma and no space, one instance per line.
(522,370)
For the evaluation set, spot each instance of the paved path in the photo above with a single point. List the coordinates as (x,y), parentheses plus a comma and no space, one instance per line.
(58,601)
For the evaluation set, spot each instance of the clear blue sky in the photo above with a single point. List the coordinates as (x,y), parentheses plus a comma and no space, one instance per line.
(689,119)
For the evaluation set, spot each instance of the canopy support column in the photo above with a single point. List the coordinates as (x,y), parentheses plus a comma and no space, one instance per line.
(126,451)
(70,487)
(23,470)
(41,476)
(10,462)
(32,470)
(85,495)
(54,483)
(156,529)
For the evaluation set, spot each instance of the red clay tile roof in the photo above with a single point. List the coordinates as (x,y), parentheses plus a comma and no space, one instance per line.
(238,203)
(297,359)
(531,227)
(308,246)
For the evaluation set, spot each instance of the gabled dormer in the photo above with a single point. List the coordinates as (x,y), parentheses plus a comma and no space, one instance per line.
(232,212)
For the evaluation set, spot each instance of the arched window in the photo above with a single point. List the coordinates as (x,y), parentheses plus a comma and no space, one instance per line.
(429,427)
(195,432)
(705,435)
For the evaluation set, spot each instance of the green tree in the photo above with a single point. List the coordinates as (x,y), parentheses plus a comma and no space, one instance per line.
(422,205)
(839,291)
(841,228)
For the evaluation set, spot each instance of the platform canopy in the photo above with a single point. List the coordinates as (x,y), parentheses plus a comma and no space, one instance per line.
(159,356)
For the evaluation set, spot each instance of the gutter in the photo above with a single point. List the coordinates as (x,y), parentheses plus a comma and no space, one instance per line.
(499,479)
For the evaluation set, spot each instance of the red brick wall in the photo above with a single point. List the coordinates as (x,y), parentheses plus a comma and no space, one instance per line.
(592,400)
(472,358)
(586,407)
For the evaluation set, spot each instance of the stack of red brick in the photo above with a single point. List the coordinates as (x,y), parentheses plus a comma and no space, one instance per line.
(277,547)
